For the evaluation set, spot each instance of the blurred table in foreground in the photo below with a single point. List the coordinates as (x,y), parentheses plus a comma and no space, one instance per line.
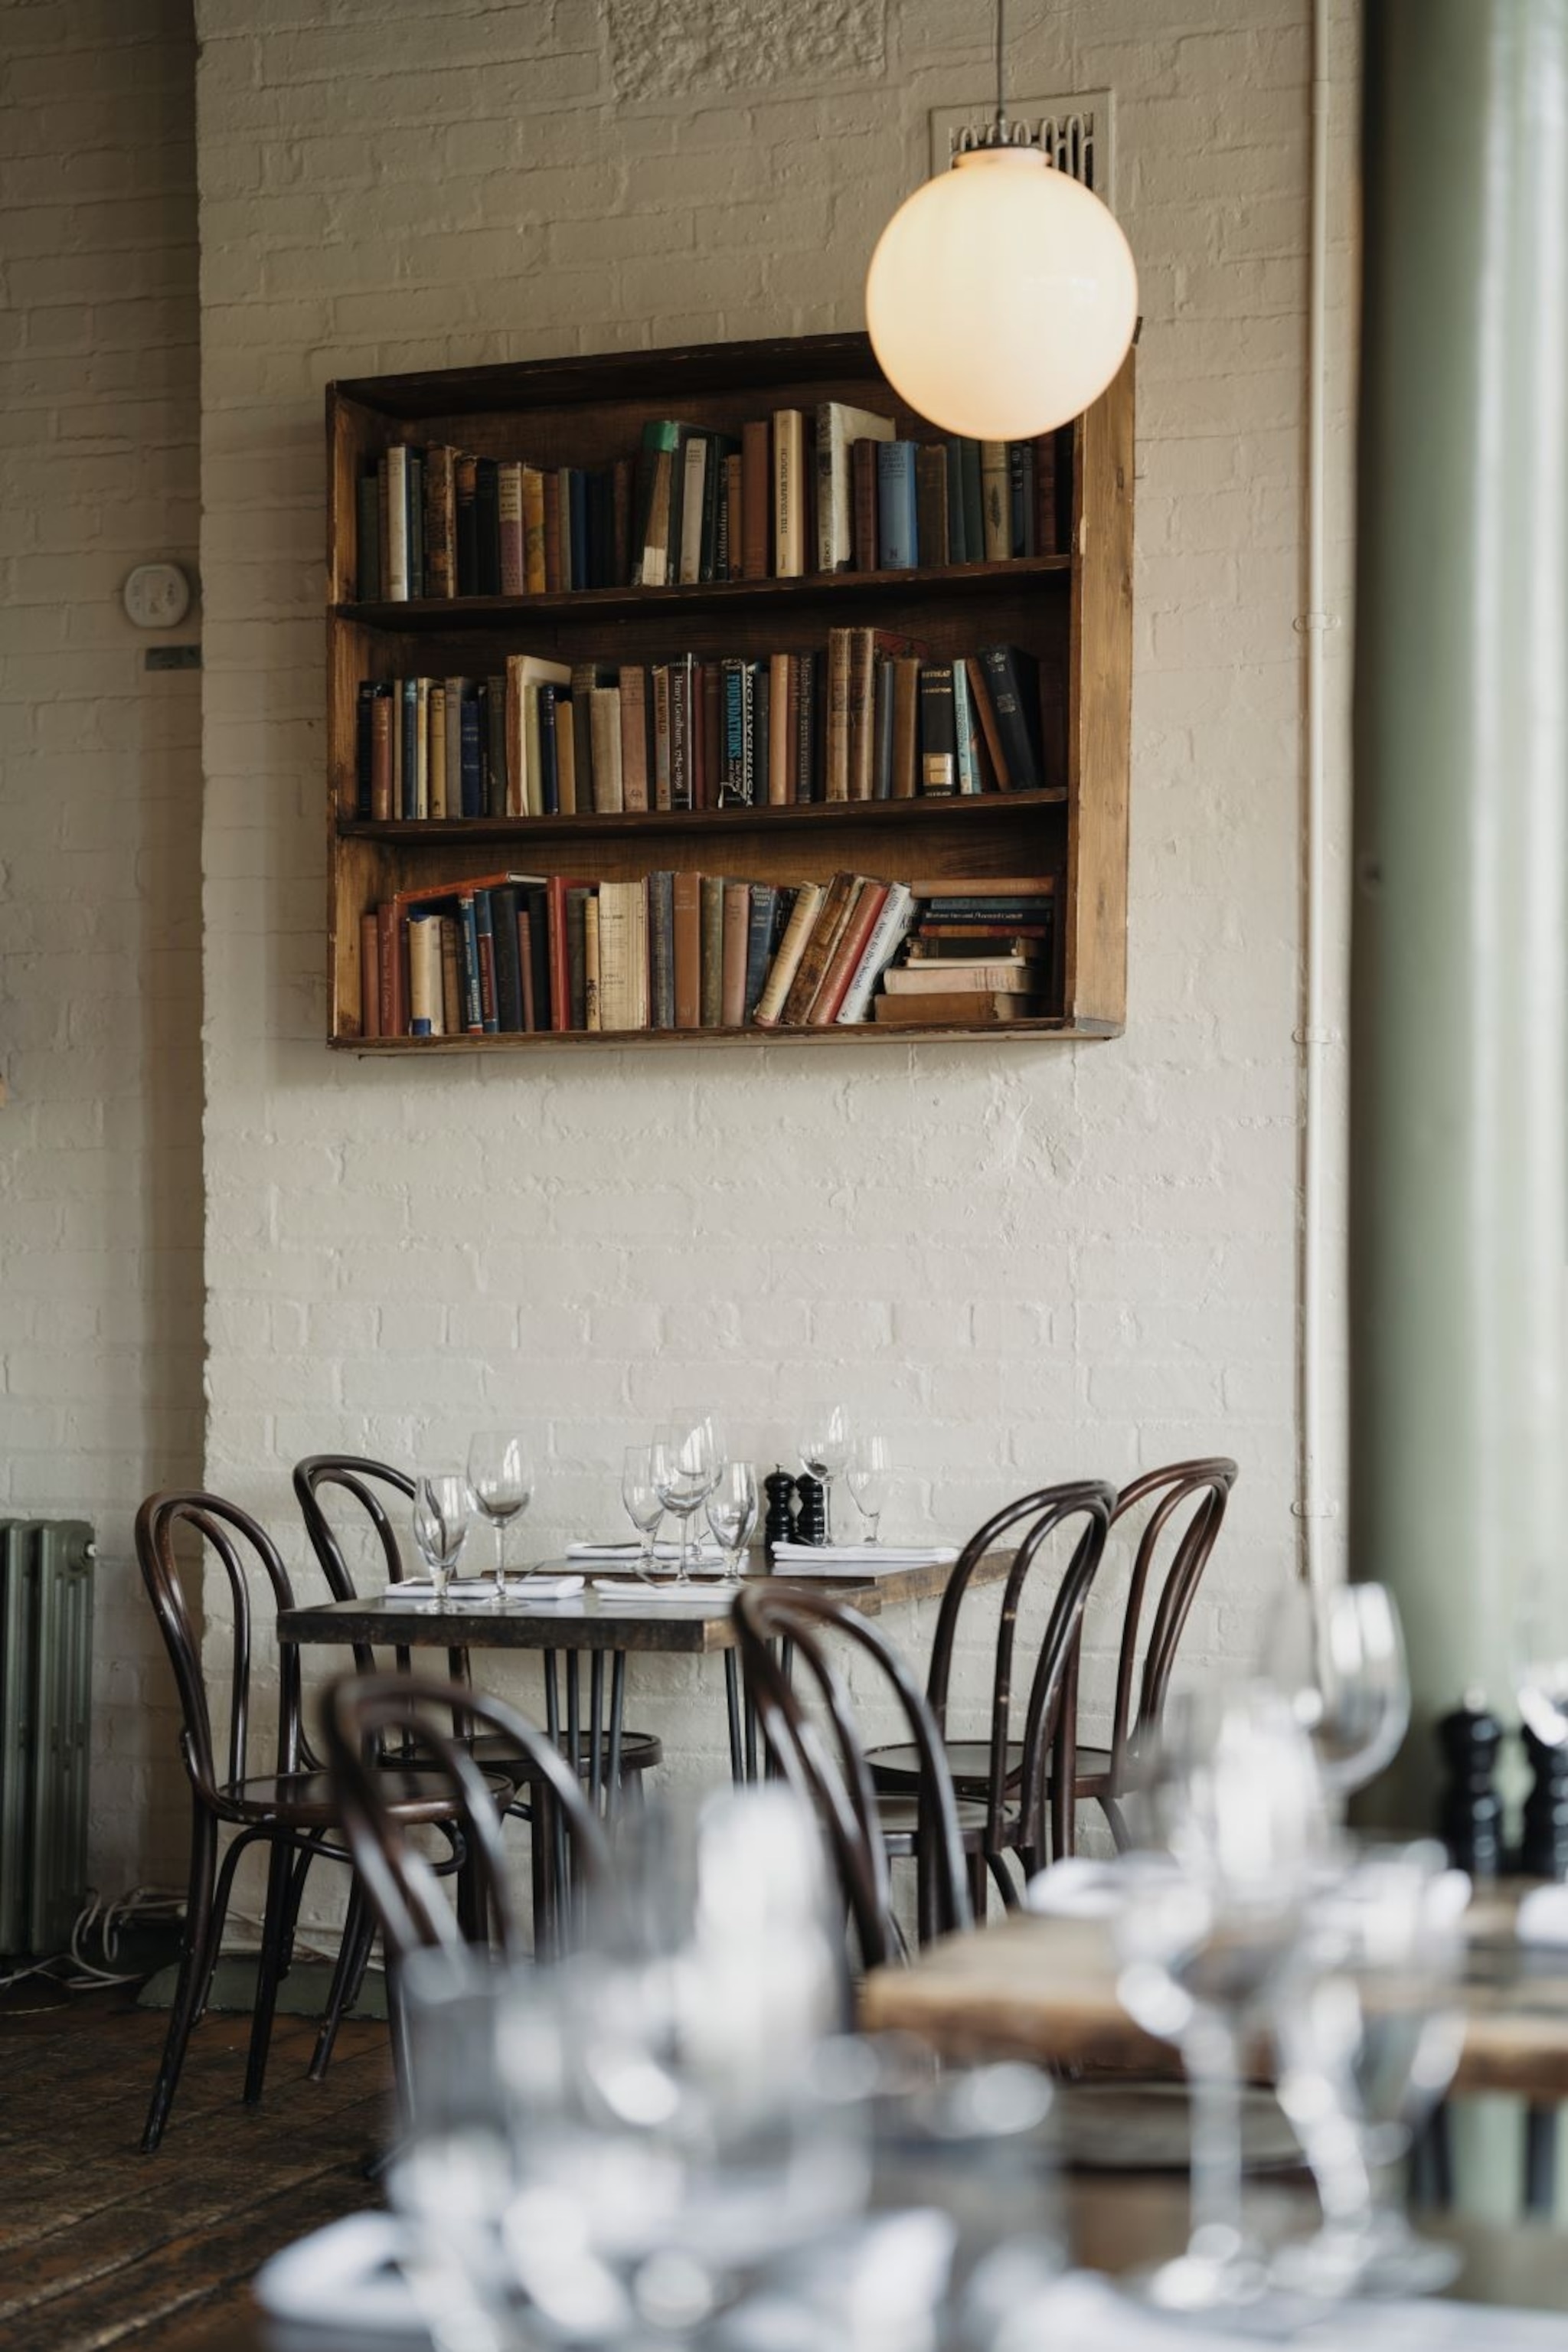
(1046,1988)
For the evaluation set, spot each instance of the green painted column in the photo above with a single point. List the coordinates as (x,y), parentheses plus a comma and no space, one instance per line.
(1457,1202)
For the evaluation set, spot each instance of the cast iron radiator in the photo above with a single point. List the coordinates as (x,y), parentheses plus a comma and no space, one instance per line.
(46,1711)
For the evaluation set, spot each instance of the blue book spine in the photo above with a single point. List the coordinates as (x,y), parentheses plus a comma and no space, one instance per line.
(732,776)
(469,964)
(898,546)
(957,547)
(410,748)
(472,761)
(580,576)
(485,945)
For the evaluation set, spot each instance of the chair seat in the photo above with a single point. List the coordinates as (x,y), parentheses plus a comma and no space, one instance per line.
(898,1817)
(305,1801)
(894,1770)
(640,1752)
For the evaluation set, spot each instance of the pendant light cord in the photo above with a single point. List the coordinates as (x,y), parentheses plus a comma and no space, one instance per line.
(1001,98)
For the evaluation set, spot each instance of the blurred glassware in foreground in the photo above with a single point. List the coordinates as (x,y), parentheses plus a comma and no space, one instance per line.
(1369,2026)
(443,1508)
(1339,1655)
(1540,1656)
(1206,1932)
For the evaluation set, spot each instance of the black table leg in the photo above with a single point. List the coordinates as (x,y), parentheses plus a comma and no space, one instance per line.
(1539,2159)
(552,1698)
(597,1729)
(617,1710)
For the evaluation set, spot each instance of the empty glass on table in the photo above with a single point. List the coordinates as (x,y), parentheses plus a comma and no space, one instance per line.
(732,1514)
(442,1510)
(642,1503)
(688,1454)
(501,1473)
(824,1451)
(869,1473)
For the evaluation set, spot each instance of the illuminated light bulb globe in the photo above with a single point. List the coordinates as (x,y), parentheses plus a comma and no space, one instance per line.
(1002,297)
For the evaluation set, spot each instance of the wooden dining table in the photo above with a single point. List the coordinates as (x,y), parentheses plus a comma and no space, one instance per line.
(602,1627)
(1044,1989)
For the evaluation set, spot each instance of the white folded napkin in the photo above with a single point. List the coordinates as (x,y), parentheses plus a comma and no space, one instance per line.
(703,1551)
(476,1592)
(627,1588)
(805,1559)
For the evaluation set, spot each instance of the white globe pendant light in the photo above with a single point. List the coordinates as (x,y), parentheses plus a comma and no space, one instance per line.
(1002,297)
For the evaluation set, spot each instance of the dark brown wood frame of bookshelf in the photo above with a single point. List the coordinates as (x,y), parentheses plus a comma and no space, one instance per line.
(1074,610)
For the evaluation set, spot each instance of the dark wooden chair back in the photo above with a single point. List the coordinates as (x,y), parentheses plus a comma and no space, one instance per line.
(824,1760)
(1188,1503)
(358,1476)
(244,1552)
(1016,1793)
(361,1713)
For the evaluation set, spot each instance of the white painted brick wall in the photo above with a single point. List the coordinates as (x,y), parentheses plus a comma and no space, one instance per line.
(100,1220)
(1022,1263)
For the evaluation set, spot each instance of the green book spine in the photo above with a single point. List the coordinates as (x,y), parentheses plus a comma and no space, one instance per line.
(713,918)
(367,539)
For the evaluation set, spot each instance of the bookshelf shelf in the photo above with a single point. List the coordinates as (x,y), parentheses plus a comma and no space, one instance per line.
(442,616)
(686,824)
(1069,611)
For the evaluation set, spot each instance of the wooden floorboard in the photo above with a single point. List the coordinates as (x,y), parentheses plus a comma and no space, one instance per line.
(100,2245)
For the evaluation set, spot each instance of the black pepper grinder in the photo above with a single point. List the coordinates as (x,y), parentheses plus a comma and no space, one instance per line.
(778,1527)
(1543,1846)
(811,1519)
(1470,1819)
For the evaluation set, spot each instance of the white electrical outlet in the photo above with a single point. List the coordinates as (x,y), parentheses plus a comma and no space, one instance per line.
(157,596)
(1080,141)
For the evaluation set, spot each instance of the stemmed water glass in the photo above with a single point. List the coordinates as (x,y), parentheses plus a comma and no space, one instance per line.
(1339,1655)
(732,1514)
(1207,1933)
(443,1506)
(869,1474)
(642,1502)
(1369,2026)
(687,1459)
(824,1451)
(501,1476)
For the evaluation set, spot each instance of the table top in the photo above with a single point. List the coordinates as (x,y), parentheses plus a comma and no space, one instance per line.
(1046,1988)
(599,1621)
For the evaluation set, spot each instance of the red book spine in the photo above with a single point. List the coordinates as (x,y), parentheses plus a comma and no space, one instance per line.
(369,975)
(756,499)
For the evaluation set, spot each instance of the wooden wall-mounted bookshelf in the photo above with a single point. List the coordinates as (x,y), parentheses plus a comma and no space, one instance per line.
(1073,610)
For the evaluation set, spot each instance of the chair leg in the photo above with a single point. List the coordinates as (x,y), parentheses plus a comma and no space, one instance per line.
(195,1972)
(977,1867)
(354,1953)
(1003,1880)
(1117,1819)
(219,1914)
(274,1936)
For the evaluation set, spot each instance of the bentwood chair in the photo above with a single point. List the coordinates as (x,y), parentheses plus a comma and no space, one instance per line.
(1015,1770)
(1186,1504)
(439,1721)
(822,1756)
(359,1478)
(289,1809)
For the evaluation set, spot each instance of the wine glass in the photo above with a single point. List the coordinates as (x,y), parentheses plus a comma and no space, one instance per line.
(642,1502)
(1369,2028)
(687,1457)
(501,1476)
(1207,1933)
(443,1506)
(1541,1658)
(732,1514)
(824,1451)
(1340,1656)
(869,1474)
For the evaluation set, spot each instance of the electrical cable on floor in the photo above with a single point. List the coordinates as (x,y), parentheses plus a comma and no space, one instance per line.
(141,1903)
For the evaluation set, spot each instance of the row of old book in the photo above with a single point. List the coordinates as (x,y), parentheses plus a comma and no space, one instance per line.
(874,717)
(833,491)
(516,953)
